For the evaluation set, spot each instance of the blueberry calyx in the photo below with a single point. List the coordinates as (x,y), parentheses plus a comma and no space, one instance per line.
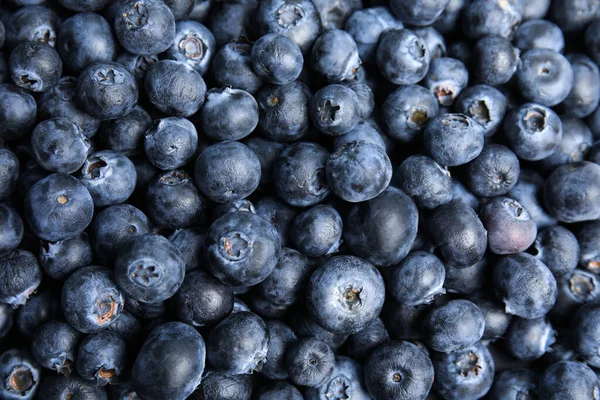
(104,376)
(64,368)
(582,287)
(467,363)
(535,119)
(137,17)
(350,297)
(289,15)
(328,110)
(110,305)
(144,274)
(340,388)
(192,47)
(235,246)
(20,380)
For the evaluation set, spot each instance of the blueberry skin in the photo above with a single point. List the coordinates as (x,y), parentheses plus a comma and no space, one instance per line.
(170,143)
(137,64)
(300,175)
(465,375)
(54,346)
(533,131)
(366,26)
(18,114)
(513,383)
(573,16)
(20,276)
(334,110)
(446,78)
(299,21)
(428,184)
(576,142)
(284,111)
(461,193)
(281,337)
(106,90)
(363,131)
(466,280)
(568,379)
(417,279)
(70,204)
(58,145)
(309,362)
(242,248)
(6,319)
(172,201)
(109,177)
(589,238)
(585,337)
(399,370)
(175,88)
(21,374)
(317,231)
(407,111)
(144,28)
(453,139)
(494,172)
(529,192)
(572,192)
(435,42)
(124,390)
(146,311)
(496,320)
(155,374)
(459,233)
(366,98)
(544,76)
(584,96)
(85,39)
(279,213)
(242,205)
(402,56)
(238,344)
(382,230)
(41,307)
(193,44)
(509,226)
(234,66)
(591,40)
(101,357)
(449,19)
(335,289)
(59,259)
(481,18)
(276,59)
(126,135)
(418,13)
(228,114)
(525,285)
(279,391)
(363,343)
(11,229)
(32,23)
(35,66)
(85,5)
(529,339)
(539,34)
(285,285)
(114,226)
(223,386)
(358,171)
(149,268)
(267,152)
(58,387)
(494,60)
(558,248)
(334,55)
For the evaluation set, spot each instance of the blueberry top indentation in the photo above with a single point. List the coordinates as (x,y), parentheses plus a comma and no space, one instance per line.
(145,273)
(340,388)
(468,363)
(235,246)
(136,17)
(535,119)
(193,47)
(289,15)
(20,380)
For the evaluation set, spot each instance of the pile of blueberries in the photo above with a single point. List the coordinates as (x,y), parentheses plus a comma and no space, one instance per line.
(299,200)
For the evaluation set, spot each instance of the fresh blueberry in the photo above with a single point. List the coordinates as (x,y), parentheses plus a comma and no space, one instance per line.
(41,307)
(334,110)
(276,59)
(170,143)
(511,384)
(446,78)
(232,21)
(109,177)
(242,205)
(491,17)
(575,289)
(335,56)
(34,23)
(279,391)
(366,97)
(363,343)
(309,362)
(399,370)
(467,280)
(281,337)
(21,375)
(449,19)
(228,114)
(126,134)
(424,181)
(417,279)
(434,40)
(242,248)
(568,379)
(284,111)
(223,386)
(453,139)
(509,226)
(495,60)
(58,387)
(267,152)
(127,327)
(137,64)
(35,66)
(576,142)
(170,363)
(402,56)
(54,346)
(101,357)
(589,240)
(494,172)
(529,339)
(20,276)
(591,40)
(6,319)
(146,311)
(558,248)
(539,34)
(366,26)
(363,131)
(146,27)
(317,231)
(60,259)
(483,103)
(11,229)
(535,9)
(461,193)
(529,192)
(497,320)
(573,15)
(84,5)
(232,67)
(18,113)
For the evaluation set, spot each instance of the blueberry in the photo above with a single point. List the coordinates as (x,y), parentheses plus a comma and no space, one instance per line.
(233,63)
(446,78)
(461,193)
(366,97)
(298,20)
(334,110)
(363,131)
(101,357)
(21,375)
(175,88)
(483,17)
(535,9)
(382,230)
(572,16)
(399,370)
(453,139)
(238,344)
(404,322)
(584,96)
(425,181)
(18,113)
(137,64)
(317,231)
(417,279)
(366,26)
(61,102)
(106,90)
(230,22)
(309,362)
(568,379)
(589,238)
(11,229)
(402,56)
(35,66)
(449,18)
(276,59)
(572,192)
(495,60)
(146,27)
(124,390)
(280,214)
(466,280)
(299,174)
(345,294)
(284,111)
(533,131)
(242,205)
(58,387)
(223,386)
(146,311)
(279,391)
(21,275)
(109,177)
(228,114)
(180,8)
(525,285)
(59,145)
(54,346)
(126,134)
(127,327)
(494,172)
(363,343)
(43,306)
(529,192)
(513,383)
(170,143)
(335,56)
(434,40)
(407,111)
(558,248)
(85,39)
(59,259)
(497,320)
(591,40)
(539,34)
(85,5)
(464,375)
(58,207)
(281,337)
(529,339)
(200,10)
(149,268)
(32,23)
(509,226)
(458,233)
(242,248)
(267,152)
(157,372)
